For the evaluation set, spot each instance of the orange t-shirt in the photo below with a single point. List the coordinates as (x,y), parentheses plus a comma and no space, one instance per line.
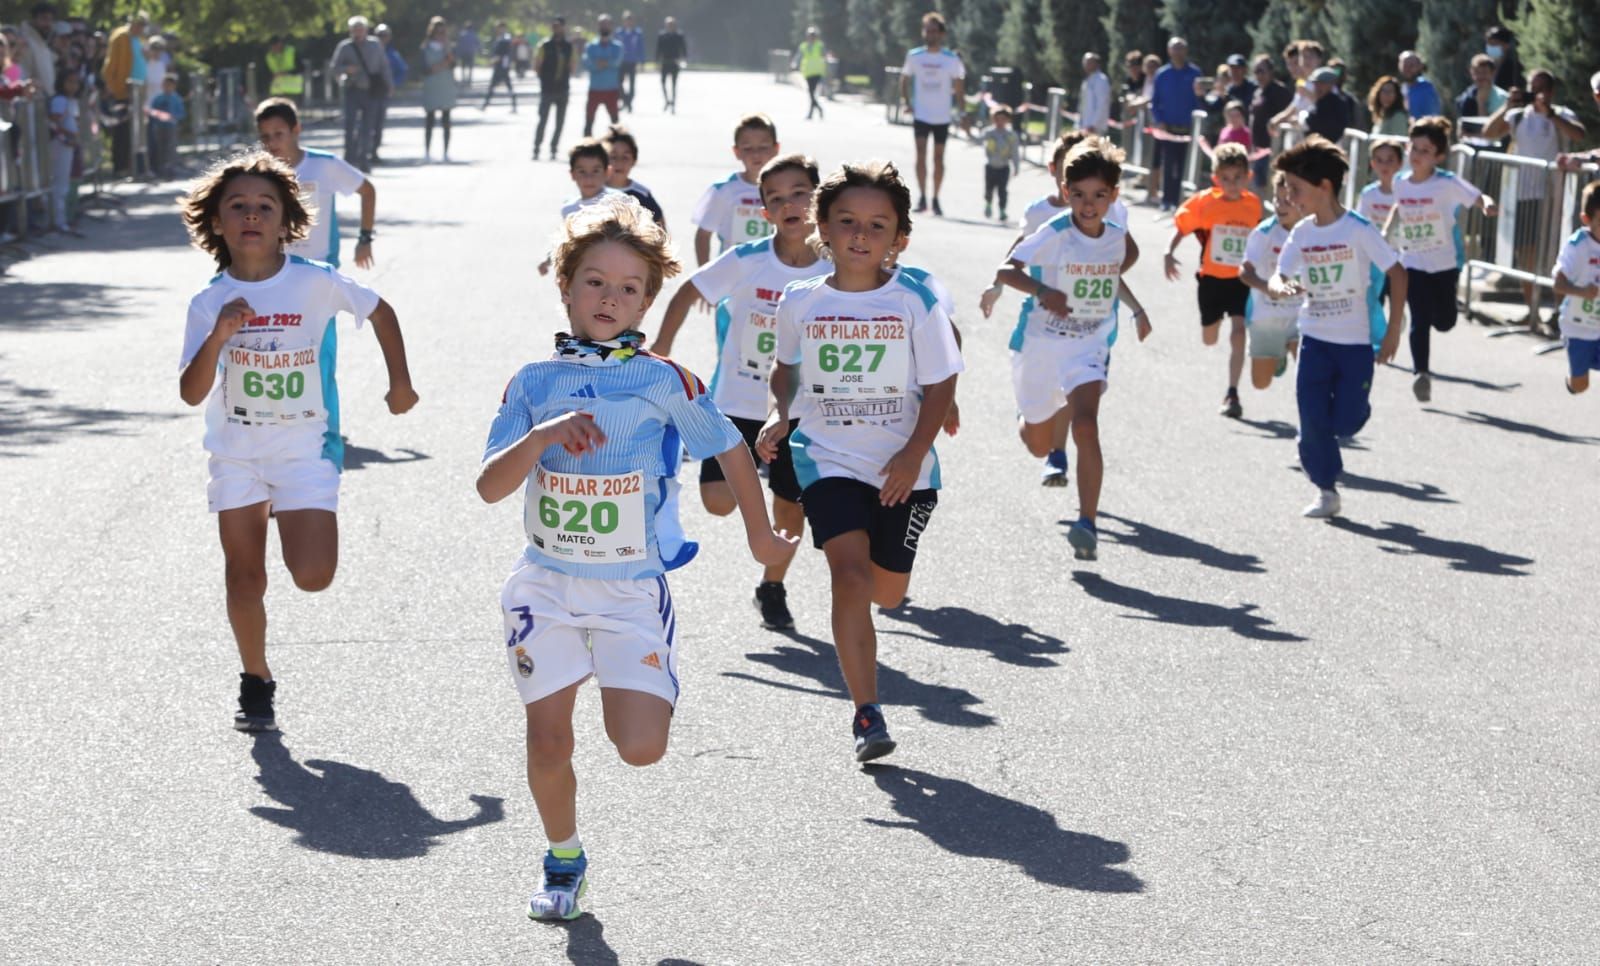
(1222,226)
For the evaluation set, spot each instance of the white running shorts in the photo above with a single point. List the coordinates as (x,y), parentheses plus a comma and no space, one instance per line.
(298,484)
(1044,372)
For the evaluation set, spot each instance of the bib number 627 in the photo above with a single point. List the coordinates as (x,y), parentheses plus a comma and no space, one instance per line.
(847,357)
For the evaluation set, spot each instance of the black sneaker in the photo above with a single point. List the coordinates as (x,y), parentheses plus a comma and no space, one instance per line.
(922,204)
(936,209)
(1230,405)
(772,599)
(872,734)
(255,704)
(536,152)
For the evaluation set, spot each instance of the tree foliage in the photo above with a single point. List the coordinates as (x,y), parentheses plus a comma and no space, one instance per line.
(1213,28)
(1563,36)
(1449,33)
(1131,25)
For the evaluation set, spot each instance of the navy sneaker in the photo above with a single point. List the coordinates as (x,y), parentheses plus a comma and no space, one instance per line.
(1085,541)
(872,734)
(255,704)
(564,883)
(1055,469)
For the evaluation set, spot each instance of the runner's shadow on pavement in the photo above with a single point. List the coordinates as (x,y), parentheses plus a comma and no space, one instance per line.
(1513,426)
(1161,609)
(1014,644)
(808,657)
(966,820)
(356,457)
(1474,383)
(1270,428)
(63,306)
(1420,492)
(586,942)
(345,810)
(29,417)
(1463,556)
(1003,225)
(1164,543)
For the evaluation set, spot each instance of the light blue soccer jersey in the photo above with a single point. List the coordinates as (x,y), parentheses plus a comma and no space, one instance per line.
(650,410)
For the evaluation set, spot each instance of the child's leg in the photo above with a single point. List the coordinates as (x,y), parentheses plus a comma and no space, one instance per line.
(1060,426)
(1352,392)
(244,551)
(1039,437)
(444,117)
(637,723)
(788,516)
(1419,302)
(1314,387)
(717,496)
(1003,187)
(1235,350)
(310,540)
(851,574)
(889,588)
(427,131)
(1085,402)
(550,776)
(1582,355)
(1262,371)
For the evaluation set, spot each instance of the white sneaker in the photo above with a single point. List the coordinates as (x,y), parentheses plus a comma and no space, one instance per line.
(1326,505)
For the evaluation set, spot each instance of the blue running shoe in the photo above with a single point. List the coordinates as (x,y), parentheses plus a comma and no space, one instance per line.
(872,734)
(1055,469)
(1084,540)
(564,884)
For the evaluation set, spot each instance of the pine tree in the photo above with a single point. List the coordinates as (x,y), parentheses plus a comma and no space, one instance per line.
(975,32)
(1369,36)
(1286,20)
(1132,25)
(1071,28)
(1213,28)
(1448,33)
(1562,36)
(1018,44)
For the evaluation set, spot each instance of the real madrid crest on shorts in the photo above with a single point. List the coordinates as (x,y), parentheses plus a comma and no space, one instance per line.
(524,662)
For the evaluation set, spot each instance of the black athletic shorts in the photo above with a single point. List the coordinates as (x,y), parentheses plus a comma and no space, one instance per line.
(837,505)
(940,132)
(1221,297)
(780,472)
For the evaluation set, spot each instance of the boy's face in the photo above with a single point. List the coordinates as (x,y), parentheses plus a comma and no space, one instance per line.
(250,218)
(862,229)
(1424,155)
(1385,162)
(169,85)
(1235,117)
(1089,199)
(754,147)
(606,295)
(281,140)
(1288,213)
(622,160)
(1002,121)
(589,174)
(1231,181)
(786,201)
(1308,196)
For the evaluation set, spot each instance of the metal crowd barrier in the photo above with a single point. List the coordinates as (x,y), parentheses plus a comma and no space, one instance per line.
(778,64)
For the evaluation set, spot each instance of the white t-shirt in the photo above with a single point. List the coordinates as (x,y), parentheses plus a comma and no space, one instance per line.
(1341,266)
(932,283)
(731,209)
(863,357)
(745,283)
(933,75)
(1579,261)
(1429,226)
(1374,204)
(1042,211)
(579,203)
(322,177)
(1535,135)
(1261,251)
(275,396)
(1086,269)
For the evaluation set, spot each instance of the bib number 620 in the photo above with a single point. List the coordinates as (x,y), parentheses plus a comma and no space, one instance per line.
(601,517)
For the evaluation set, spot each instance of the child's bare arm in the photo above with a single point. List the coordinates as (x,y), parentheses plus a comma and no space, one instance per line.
(768,547)
(504,472)
(1565,286)
(683,300)
(401,396)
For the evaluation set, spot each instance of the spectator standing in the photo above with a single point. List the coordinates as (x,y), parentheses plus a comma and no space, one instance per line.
(166,112)
(1240,87)
(632,40)
(1094,96)
(1572,162)
(1483,96)
(501,52)
(522,54)
(933,89)
(672,51)
(555,65)
(158,63)
(1501,44)
(397,79)
(1329,115)
(1271,98)
(35,57)
(438,85)
(1172,108)
(13,83)
(1132,84)
(1387,105)
(812,59)
(124,75)
(467,47)
(362,66)
(283,70)
(1351,105)
(63,111)
(1422,98)
(603,60)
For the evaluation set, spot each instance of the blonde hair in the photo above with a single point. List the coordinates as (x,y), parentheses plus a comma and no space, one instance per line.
(1230,155)
(621,221)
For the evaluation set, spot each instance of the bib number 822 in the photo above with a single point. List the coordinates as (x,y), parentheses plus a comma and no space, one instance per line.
(601,517)
(847,358)
(274,385)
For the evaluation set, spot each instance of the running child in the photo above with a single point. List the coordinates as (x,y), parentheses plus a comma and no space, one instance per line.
(1034,216)
(1002,152)
(322,178)
(623,152)
(593,436)
(1270,322)
(1577,278)
(1072,271)
(731,208)
(1222,217)
(744,283)
(259,350)
(1335,259)
(1385,159)
(867,364)
(589,163)
(1428,203)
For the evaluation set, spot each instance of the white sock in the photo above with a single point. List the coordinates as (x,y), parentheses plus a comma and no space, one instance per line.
(567,844)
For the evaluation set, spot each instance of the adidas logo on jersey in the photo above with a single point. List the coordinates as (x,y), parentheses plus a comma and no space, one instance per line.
(587,392)
(650,660)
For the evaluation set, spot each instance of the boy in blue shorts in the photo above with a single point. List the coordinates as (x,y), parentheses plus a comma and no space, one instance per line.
(1336,260)
(322,178)
(744,283)
(259,351)
(1577,275)
(593,437)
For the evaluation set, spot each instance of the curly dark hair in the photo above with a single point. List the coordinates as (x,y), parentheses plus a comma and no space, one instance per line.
(882,175)
(203,204)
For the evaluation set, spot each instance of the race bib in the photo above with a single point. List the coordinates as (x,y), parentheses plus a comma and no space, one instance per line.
(1423,232)
(1586,311)
(856,359)
(587,519)
(1331,283)
(749,224)
(1091,291)
(758,343)
(272,386)
(1227,245)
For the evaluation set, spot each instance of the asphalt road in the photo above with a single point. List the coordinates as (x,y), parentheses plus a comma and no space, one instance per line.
(1238,737)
